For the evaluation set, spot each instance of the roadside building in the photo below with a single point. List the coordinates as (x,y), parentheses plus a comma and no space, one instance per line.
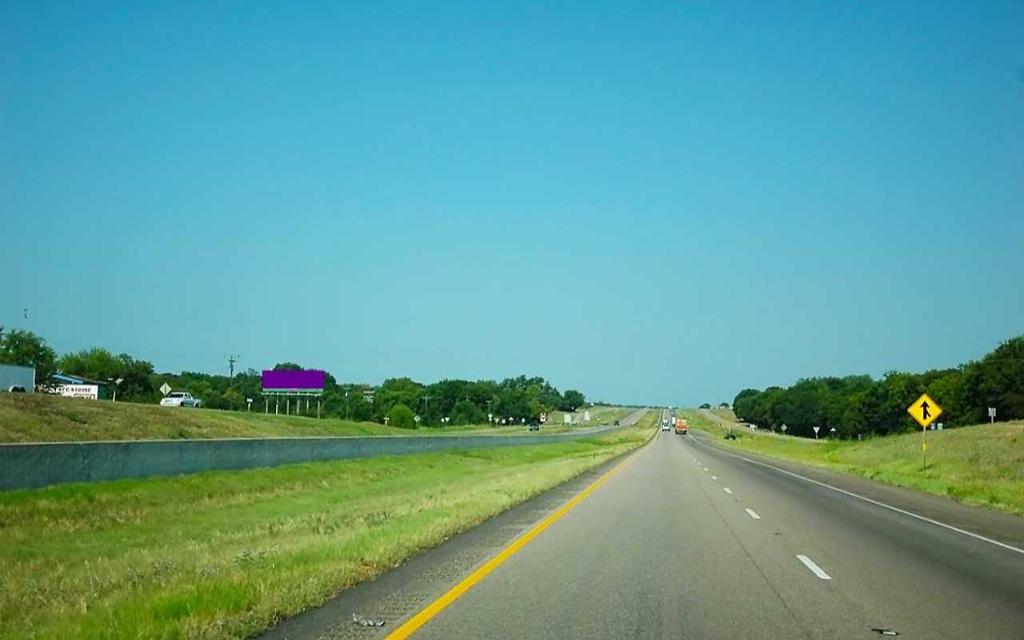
(72,386)
(17,379)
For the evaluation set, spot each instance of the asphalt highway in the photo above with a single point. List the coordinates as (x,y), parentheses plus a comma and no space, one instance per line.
(684,540)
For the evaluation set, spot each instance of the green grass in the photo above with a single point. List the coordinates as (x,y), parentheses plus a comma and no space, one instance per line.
(226,554)
(982,465)
(46,418)
(600,414)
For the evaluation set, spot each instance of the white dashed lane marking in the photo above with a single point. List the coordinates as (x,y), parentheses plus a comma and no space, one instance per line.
(815,569)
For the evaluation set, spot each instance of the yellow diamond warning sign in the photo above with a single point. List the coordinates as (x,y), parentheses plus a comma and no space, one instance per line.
(925,410)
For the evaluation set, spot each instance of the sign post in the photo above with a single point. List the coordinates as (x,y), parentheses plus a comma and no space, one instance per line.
(165,388)
(925,411)
(816,432)
(991,415)
(784,428)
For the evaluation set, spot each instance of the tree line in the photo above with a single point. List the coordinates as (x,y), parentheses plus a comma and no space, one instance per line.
(860,405)
(399,400)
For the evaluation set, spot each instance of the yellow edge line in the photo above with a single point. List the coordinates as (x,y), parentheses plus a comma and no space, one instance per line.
(437,606)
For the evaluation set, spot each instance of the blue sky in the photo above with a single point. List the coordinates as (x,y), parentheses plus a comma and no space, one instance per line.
(652,202)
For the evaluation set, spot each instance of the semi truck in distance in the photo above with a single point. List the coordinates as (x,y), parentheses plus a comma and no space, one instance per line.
(15,379)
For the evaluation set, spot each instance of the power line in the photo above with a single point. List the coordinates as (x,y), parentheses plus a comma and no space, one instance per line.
(232,359)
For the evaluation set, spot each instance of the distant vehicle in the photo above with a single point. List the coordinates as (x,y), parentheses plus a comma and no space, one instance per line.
(616,423)
(681,427)
(180,399)
(534,426)
(664,425)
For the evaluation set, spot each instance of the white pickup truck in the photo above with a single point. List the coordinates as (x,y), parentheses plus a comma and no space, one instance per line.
(180,399)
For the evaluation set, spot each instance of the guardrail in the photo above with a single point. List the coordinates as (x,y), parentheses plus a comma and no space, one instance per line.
(29,466)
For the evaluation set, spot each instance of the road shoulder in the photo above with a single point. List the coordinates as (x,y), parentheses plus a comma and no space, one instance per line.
(403,591)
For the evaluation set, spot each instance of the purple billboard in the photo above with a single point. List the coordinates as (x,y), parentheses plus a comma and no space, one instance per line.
(302,380)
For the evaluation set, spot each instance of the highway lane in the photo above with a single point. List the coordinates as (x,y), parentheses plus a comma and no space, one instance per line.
(688,542)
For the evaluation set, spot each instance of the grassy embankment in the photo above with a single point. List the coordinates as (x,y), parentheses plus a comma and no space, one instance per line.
(981,465)
(601,414)
(46,418)
(225,554)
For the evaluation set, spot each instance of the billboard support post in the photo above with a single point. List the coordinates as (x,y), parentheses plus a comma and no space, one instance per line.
(294,383)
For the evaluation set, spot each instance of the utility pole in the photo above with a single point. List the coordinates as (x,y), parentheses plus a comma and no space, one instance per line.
(232,359)
(426,406)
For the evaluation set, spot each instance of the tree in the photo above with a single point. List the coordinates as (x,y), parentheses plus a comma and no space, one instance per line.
(396,391)
(997,380)
(572,400)
(137,384)
(466,412)
(95,363)
(401,416)
(26,349)
(743,404)
(100,364)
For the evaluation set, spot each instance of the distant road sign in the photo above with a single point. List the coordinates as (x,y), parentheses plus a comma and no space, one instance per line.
(991,414)
(164,388)
(925,410)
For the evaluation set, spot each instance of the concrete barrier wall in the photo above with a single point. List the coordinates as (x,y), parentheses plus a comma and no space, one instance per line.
(26,466)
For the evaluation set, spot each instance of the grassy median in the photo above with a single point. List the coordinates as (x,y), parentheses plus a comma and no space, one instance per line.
(226,554)
(600,414)
(981,465)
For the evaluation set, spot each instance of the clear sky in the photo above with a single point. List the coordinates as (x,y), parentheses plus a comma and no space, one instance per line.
(652,202)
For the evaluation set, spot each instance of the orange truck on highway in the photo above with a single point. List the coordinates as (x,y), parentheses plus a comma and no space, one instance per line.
(681,427)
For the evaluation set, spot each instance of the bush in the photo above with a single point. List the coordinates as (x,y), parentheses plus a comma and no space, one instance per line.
(402,417)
